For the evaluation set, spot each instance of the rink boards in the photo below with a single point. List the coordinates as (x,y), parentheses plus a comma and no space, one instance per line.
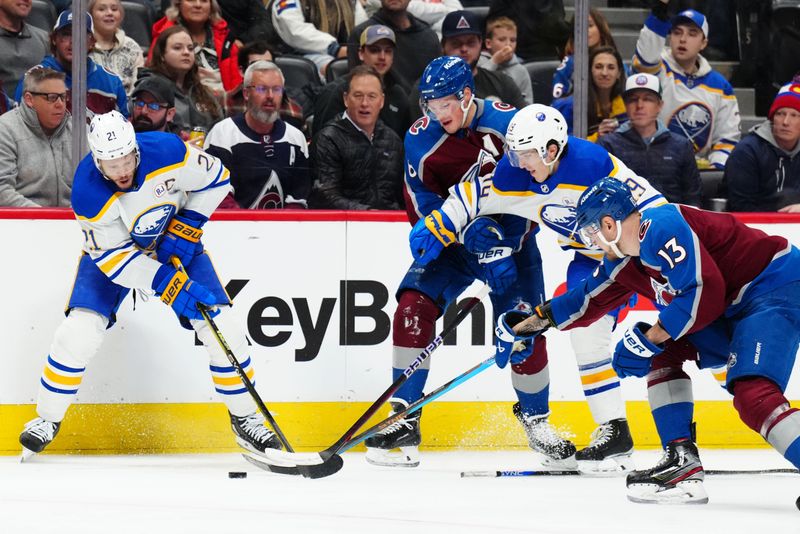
(315,292)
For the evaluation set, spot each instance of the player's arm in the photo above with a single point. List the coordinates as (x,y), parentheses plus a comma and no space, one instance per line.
(725,134)
(652,39)
(204,179)
(669,245)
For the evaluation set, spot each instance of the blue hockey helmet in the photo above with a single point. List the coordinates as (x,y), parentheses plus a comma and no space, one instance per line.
(444,76)
(606,197)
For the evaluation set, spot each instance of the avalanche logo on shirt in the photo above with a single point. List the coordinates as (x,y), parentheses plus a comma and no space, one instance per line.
(693,121)
(150,224)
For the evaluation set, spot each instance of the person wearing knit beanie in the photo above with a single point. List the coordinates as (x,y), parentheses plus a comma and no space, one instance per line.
(788,97)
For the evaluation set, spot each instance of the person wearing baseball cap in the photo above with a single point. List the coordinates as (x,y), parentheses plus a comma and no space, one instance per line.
(153,105)
(764,170)
(649,149)
(698,101)
(105,91)
(462,36)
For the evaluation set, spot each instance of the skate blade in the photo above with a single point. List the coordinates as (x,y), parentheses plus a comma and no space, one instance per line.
(400,457)
(687,492)
(607,467)
(565,464)
(26,455)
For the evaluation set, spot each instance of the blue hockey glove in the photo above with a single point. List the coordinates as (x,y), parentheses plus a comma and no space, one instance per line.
(182,293)
(482,235)
(430,235)
(182,238)
(634,351)
(499,268)
(508,344)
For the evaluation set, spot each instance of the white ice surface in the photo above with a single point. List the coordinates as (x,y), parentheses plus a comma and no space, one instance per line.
(192,494)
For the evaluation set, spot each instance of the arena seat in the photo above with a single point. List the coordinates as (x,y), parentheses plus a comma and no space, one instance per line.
(43,15)
(541,73)
(138,24)
(336,69)
(298,71)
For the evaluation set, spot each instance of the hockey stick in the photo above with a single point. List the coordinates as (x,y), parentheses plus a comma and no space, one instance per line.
(545,473)
(212,325)
(394,418)
(321,458)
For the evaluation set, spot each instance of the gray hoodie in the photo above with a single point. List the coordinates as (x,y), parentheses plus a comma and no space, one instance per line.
(35,170)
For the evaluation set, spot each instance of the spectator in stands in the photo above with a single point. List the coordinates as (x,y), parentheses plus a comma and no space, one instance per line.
(698,101)
(356,160)
(431,12)
(417,43)
(649,149)
(6,104)
(267,158)
(541,24)
(599,35)
(36,144)
(377,50)
(605,109)
(154,105)
(317,29)
(212,44)
(499,56)
(21,45)
(104,89)
(462,37)
(174,59)
(763,172)
(114,50)
(291,111)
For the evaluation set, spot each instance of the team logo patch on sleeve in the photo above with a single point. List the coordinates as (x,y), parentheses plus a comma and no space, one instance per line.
(150,224)
(285,4)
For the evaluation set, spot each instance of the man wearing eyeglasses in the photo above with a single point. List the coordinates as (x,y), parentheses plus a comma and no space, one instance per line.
(36,144)
(267,157)
(153,105)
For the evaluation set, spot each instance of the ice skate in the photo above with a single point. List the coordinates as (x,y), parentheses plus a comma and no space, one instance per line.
(555,451)
(252,434)
(37,435)
(610,452)
(398,444)
(676,479)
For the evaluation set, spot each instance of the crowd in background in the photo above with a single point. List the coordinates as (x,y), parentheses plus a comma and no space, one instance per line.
(308,101)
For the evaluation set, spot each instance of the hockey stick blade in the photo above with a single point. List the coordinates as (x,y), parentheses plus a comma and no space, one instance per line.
(325,469)
(546,473)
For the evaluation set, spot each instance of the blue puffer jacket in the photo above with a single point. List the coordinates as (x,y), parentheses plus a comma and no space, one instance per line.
(667,162)
(759,175)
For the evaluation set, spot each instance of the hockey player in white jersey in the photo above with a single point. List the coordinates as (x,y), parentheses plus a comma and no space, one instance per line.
(541,177)
(141,199)
(699,103)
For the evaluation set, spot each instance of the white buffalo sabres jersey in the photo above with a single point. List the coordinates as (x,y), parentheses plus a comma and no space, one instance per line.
(700,106)
(552,203)
(121,228)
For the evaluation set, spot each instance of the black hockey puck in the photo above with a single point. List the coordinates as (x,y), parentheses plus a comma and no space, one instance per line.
(237,474)
(797,503)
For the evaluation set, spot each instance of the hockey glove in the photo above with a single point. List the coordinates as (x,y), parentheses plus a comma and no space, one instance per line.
(508,344)
(430,235)
(182,238)
(482,235)
(499,268)
(182,293)
(634,351)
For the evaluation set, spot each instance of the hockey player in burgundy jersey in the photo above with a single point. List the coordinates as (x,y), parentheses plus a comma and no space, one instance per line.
(459,138)
(725,293)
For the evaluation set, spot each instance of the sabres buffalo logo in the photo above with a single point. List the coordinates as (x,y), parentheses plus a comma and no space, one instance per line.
(693,121)
(150,224)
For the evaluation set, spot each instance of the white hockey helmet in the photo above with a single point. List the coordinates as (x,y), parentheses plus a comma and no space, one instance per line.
(535,127)
(111,136)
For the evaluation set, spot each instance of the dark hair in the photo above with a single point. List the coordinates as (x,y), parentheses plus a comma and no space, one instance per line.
(363,70)
(606,39)
(198,92)
(253,47)
(594,114)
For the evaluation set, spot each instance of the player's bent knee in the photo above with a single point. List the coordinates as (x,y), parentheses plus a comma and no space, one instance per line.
(414,320)
(756,399)
(78,337)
